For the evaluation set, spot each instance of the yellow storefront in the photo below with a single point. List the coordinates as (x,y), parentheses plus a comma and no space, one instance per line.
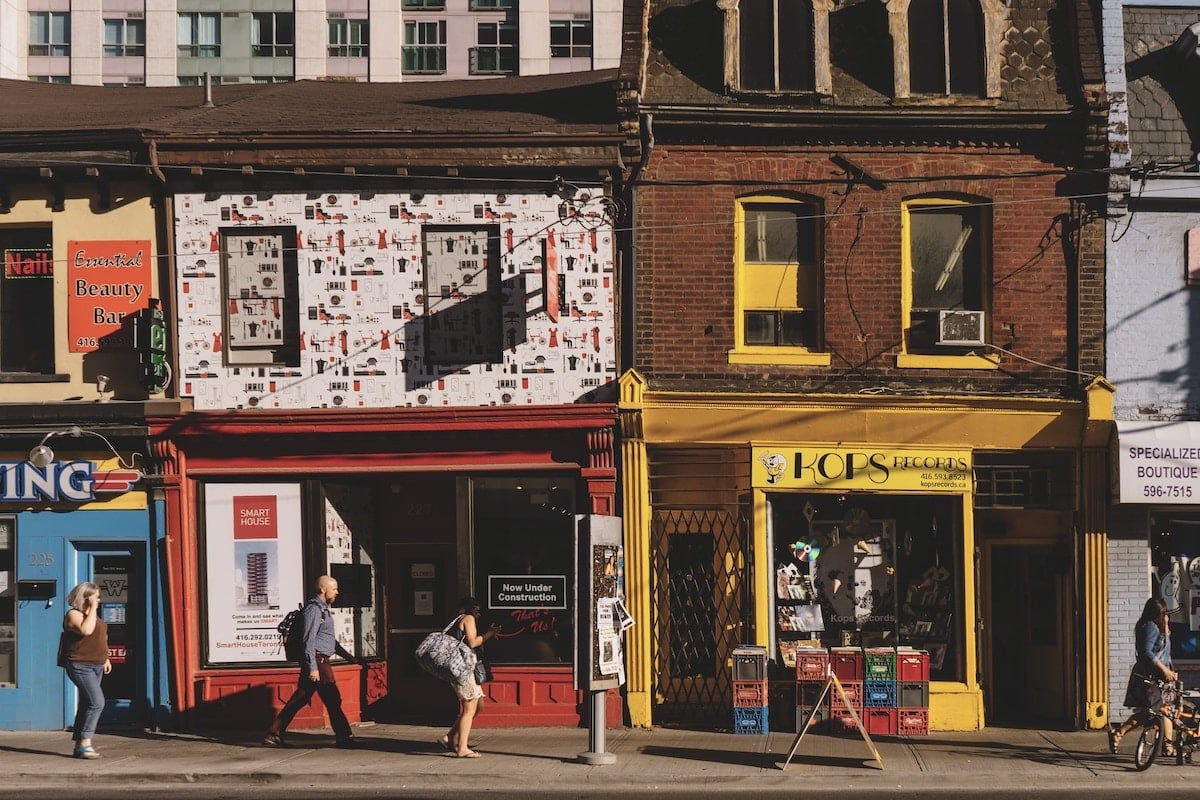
(983,518)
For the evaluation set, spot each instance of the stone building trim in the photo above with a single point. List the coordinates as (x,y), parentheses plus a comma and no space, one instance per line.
(823,76)
(994,18)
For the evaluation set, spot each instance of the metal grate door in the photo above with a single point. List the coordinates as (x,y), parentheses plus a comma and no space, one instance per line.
(701,610)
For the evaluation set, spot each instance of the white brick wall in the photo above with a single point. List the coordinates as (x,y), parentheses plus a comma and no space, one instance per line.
(1128,582)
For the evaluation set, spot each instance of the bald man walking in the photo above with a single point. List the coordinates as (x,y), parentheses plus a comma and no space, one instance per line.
(316,675)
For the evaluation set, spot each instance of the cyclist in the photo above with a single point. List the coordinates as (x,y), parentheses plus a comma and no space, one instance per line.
(1152,639)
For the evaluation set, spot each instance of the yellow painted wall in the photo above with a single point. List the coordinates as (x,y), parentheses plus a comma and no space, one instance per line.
(132,216)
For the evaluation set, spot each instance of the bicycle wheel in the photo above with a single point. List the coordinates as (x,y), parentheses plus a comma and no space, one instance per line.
(1148,745)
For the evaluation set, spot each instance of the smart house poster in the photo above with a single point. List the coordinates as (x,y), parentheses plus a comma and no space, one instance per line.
(254,568)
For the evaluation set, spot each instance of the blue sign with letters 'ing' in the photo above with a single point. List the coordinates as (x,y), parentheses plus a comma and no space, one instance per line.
(72,481)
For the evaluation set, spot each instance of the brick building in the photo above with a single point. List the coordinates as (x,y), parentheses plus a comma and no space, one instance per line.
(865,324)
(1152,66)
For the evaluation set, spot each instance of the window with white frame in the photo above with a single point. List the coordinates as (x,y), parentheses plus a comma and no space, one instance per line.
(776,45)
(50,78)
(124,37)
(491,5)
(261,303)
(49,33)
(570,38)
(349,38)
(463,323)
(199,35)
(496,50)
(945,40)
(424,48)
(272,34)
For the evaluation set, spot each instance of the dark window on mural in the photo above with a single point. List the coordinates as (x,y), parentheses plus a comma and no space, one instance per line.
(262,317)
(462,295)
(692,641)
(27,301)
(945,40)
(776,41)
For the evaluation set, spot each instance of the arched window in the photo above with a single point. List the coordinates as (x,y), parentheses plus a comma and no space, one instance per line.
(946,46)
(776,45)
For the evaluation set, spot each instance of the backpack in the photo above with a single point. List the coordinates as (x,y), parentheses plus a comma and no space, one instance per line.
(291,634)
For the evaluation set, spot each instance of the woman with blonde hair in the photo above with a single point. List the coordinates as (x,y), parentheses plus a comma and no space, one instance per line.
(468,691)
(83,652)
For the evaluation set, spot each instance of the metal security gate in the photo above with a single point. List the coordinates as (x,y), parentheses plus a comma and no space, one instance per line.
(701,610)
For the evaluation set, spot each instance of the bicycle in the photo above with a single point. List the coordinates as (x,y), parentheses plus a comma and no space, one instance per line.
(1181,709)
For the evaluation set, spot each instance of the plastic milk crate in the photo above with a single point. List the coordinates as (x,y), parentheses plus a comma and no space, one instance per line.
(912,666)
(749,694)
(812,664)
(880,721)
(749,663)
(854,693)
(751,720)
(912,694)
(846,663)
(912,721)
(879,665)
(879,694)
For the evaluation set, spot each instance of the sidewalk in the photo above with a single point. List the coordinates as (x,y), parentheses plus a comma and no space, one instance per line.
(404,760)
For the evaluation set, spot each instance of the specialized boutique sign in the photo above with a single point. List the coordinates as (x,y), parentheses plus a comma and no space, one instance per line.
(254,568)
(108,280)
(1159,462)
(61,481)
(527,591)
(819,467)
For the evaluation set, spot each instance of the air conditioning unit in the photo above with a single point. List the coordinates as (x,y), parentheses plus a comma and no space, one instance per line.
(961,328)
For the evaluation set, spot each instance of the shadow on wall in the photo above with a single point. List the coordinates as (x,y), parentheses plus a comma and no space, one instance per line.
(691,37)
(1177,70)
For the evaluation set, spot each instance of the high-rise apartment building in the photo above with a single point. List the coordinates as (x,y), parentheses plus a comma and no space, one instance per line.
(172,42)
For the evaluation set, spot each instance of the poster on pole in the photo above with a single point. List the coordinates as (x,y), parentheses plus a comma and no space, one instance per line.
(254,570)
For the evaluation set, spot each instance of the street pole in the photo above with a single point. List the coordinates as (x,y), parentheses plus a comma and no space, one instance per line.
(596,724)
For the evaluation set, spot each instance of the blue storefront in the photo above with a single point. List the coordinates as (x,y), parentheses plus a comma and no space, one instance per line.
(60,524)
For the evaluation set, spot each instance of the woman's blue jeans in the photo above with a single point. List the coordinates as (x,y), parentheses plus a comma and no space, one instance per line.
(86,678)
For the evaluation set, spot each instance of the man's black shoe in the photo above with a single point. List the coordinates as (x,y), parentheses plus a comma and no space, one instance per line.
(349,743)
(274,740)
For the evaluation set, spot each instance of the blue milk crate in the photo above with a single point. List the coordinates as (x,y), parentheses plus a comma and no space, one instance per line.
(879,694)
(750,720)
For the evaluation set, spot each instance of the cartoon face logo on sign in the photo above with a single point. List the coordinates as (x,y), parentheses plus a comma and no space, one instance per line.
(776,465)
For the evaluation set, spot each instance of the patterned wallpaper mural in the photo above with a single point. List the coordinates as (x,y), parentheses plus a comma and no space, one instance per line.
(378,300)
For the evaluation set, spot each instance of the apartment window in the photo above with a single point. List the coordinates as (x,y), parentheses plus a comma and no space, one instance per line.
(198,80)
(349,38)
(49,33)
(778,275)
(200,35)
(570,38)
(8,601)
(496,51)
(945,40)
(946,256)
(462,295)
(50,78)
(27,301)
(776,44)
(424,47)
(425,5)
(124,37)
(272,34)
(491,5)
(262,321)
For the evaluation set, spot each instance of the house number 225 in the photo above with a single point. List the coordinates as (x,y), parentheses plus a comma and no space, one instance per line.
(41,559)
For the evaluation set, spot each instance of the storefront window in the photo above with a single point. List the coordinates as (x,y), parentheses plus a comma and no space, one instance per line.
(8,604)
(1175,570)
(350,537)
(870,569)
(523,566)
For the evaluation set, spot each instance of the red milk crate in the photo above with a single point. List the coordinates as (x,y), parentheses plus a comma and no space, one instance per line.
(912,721)
(880,721)
(812,664)
(749,694)
(854,693)
(846,663)
(912,666)
(841,719)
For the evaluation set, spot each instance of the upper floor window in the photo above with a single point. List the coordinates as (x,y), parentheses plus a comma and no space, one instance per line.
(49,33)
(424,47)
(496,51)
(124,37)
(198,80)
(50,78)
(349,38)
(463,324)
(777,279)
(491,5)
(424,5)
(945,40)
(946,253)
(272,34)
(199,35)
(261,303)
(27,301)
(570,38)
(776,45)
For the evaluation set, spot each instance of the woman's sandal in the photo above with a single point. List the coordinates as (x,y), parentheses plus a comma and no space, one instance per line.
(445,743)
(468,754)
(1168,750)
(1114,739)
(86,752)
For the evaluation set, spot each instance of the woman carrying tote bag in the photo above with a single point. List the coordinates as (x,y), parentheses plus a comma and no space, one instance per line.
(466,687)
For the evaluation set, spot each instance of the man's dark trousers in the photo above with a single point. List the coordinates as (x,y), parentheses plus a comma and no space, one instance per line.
(327,688)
